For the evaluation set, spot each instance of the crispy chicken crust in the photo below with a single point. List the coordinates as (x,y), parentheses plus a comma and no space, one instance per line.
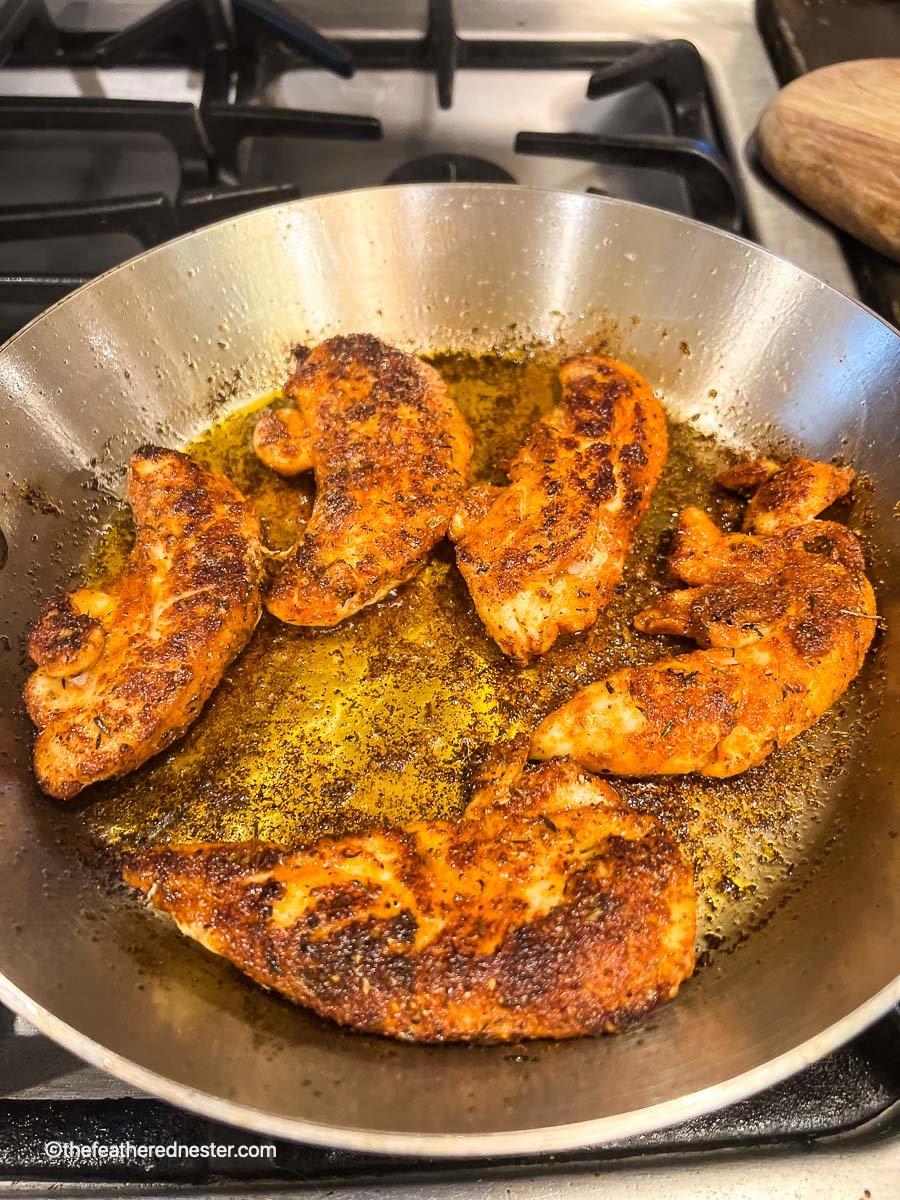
(784,612)
(121,674)
(390,451)
(543,555)
(549,910)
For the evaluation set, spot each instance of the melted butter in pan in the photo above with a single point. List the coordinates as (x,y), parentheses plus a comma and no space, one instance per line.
(382,719)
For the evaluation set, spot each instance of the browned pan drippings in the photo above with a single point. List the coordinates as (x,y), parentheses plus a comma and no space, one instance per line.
(383,718)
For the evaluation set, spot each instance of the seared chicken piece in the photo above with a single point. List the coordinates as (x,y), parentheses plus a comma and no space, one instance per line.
(549,910)
(123,673)
(390,451)
(543,555)
(792,495)
(785,613)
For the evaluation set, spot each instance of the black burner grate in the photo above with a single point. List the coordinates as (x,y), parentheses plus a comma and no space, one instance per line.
(205,137)
(241,48)
(676,69)
(148,219)
(449,168)
(710,185)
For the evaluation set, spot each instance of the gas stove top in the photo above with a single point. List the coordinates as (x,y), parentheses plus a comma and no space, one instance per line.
(123,124)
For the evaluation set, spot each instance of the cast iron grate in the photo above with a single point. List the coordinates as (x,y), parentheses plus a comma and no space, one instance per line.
(149,219)
(205,137)
(676,69)
(241,48)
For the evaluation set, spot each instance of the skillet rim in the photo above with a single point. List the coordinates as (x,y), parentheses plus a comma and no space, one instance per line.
(443,187)
(550,1139)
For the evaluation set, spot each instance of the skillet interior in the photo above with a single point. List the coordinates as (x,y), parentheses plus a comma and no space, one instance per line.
(157,348)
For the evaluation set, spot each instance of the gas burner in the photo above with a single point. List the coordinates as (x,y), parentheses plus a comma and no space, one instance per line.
(449,168)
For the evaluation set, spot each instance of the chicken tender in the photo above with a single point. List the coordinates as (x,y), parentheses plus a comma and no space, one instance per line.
(785,614)
(390,452)
(122,674)
(543,555)
(549,910)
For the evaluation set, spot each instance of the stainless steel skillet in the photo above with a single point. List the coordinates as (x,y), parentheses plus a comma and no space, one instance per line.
(735,338)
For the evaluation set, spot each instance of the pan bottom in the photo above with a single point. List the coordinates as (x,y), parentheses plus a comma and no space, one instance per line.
(384,718)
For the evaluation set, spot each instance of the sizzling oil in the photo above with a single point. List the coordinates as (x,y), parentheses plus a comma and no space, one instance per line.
(381,719)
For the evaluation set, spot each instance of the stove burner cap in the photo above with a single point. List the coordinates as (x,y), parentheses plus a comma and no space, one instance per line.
(449,168)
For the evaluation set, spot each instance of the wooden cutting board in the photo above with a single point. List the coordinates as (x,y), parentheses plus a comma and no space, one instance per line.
(832,138)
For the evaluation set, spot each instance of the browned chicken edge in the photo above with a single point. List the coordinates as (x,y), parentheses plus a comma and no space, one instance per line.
(542,555)
(122,673)
(390,452)
(549,910)
(785,615)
